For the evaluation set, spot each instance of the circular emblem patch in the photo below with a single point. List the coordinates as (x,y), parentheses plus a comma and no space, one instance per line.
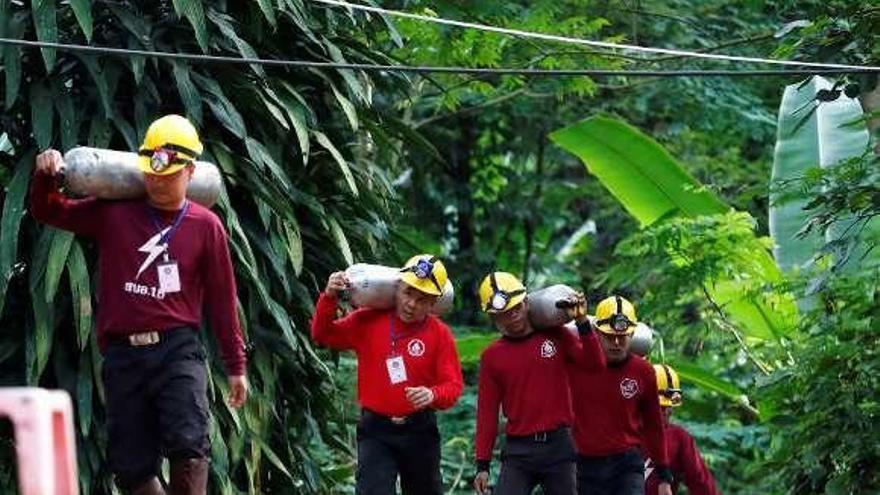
(629,388)
(415,347)
(548,349)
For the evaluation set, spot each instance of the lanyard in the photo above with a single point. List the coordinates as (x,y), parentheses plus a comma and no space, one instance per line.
(165,239)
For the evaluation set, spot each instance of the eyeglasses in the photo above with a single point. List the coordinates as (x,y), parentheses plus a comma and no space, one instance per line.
(500,298)
(424,269)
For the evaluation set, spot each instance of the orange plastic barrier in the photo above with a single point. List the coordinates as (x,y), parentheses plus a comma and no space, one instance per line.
(44,440)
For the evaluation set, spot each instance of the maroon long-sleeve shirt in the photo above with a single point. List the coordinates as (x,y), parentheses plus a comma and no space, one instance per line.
(616,408)
(686,463)
(129,298)
(427,349)
(527,378)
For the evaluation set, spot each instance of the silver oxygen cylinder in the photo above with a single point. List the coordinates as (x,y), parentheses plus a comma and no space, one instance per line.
(642,340)
(110,174)
(375,286)
(543,310)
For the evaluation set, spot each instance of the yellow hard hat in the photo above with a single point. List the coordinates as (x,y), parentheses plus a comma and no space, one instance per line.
(668,386)
(501,291)
(171,143)
(426,273)
(615,315)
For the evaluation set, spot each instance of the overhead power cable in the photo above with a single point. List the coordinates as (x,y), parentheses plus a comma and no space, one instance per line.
(217,59)
(593,43)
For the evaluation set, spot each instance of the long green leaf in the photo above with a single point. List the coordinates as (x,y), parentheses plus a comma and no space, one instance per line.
(77,271)
(268,11)
(13,212)
(58,252)
(809,135)
(341,240)
(651,185)
(707,380)
(41,338)
(83,11)
(639,172)
(244,48)
(84,388)
(67,120)
(188,92)
(41,115)
(12,62)
(46,28)
(294,244)
(324,141)
(195,14)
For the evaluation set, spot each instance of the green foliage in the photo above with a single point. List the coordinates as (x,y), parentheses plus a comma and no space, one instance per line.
(281,138)
(811,134)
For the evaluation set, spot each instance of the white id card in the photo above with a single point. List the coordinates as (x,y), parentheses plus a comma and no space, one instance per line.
(396,369)
(169,278)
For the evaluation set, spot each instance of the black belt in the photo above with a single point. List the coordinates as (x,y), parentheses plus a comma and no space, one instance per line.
(541,436)
(418,417)
(142,338)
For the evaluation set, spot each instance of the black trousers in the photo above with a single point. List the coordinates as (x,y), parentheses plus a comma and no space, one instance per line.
(157,404)
(545,459)
(386,449)
(618,474)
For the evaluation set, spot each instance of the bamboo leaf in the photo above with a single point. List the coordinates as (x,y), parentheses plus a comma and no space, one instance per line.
(220,106)
(67,120)
(294,244)
(324,141)
(41,115)
(101,83)
(12,62)
(708,381)
(43,12)
(347,107)
(272,456)
(40,339)
(269,12)
(13,212)
(297,115)
(84,388)
(261,156)
(341,240)
(77,271)
(244,48)
(189,95)
(58,252)
(195,14)
(83,11)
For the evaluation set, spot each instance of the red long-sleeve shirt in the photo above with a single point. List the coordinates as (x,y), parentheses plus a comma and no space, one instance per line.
(128,293)
(427,349)
(527,377)
(686,463)
(617,407)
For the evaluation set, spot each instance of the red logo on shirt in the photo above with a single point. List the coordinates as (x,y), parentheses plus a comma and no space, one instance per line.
(629,388)
(415,347)
(548,349)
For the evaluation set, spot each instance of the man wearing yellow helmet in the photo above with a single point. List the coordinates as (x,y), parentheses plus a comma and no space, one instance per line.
(524,373)
(161,260)
(407,369)
(617,412)
(684,457)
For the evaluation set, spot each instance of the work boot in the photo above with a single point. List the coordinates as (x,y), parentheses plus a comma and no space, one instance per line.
(189,477)
(150,487)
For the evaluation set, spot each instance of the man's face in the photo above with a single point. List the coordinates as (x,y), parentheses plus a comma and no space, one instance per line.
(616,346)
(168,191)
(413,305)
(514,322)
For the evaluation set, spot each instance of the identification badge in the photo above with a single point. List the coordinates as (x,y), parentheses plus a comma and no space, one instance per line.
(396,369)
(169,277)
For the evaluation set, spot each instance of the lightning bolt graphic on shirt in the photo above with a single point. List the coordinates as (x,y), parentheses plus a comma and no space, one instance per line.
(153,250)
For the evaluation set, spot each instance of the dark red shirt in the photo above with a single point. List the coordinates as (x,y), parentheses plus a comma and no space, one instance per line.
(686,463)
(617,407)
(128,293)
(527,377)
(375,335)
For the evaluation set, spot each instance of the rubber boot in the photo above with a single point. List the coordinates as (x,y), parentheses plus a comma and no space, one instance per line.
(189,477)
(151,487)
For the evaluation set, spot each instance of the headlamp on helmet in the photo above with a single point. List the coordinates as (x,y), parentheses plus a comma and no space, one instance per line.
(619,322)
(423,269)
(500,298)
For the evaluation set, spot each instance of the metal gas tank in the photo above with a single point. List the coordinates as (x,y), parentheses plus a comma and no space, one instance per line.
(375,286)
